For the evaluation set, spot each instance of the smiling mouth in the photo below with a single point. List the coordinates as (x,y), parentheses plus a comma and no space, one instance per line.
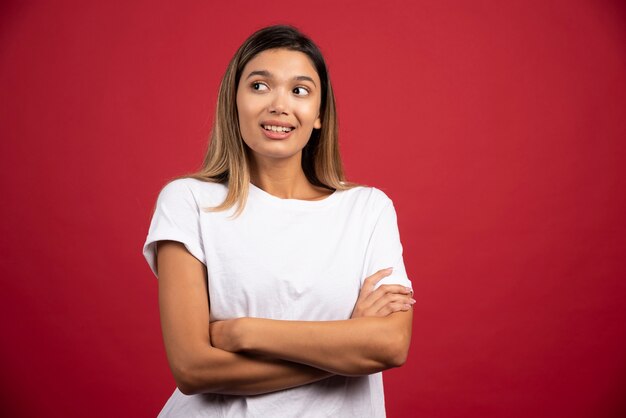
(274,128)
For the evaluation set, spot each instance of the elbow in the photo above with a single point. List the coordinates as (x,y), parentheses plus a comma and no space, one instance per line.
(186,389)
(398,351)
(398,359)
(389,351)
(191,371)
(183,377)
(187,377)
(388,356)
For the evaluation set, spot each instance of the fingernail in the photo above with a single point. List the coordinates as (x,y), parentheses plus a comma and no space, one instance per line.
(389,269)
(412,301)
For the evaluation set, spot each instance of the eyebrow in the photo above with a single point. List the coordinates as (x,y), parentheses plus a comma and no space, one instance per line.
(267,74)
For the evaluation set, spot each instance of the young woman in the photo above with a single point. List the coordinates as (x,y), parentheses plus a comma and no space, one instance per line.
(273,292)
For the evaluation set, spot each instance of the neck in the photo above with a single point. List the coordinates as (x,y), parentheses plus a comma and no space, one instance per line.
(283,178)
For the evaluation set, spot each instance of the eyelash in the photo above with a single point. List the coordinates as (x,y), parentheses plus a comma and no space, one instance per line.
(297,87)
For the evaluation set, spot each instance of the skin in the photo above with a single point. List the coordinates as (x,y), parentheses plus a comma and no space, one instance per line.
(249,356)
(276,163)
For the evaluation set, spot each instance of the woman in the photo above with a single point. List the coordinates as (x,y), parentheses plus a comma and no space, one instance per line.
(303,318)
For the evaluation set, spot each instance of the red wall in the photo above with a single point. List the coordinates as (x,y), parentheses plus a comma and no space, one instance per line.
(496,127)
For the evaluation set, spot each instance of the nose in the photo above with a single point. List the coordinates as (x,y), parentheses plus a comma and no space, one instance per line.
(278,104)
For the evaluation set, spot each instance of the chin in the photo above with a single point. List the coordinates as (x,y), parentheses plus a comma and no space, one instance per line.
(275,149)
(275,153)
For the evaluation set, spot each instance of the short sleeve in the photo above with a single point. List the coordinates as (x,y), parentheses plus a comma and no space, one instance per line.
(176,217)
(385,249)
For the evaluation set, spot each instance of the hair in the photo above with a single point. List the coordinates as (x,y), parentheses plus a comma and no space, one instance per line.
(227,160)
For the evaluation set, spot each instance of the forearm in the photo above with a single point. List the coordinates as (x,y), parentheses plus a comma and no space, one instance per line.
(351,347)
(218,371)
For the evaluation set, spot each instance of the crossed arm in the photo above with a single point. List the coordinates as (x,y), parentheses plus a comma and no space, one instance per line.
(248,356)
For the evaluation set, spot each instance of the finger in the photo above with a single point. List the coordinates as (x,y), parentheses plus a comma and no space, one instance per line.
(393,307)
(385,289)
(363,305)
(389,288)
(387,304)
(392,298)
(364,302)
(395,288)
(370,282)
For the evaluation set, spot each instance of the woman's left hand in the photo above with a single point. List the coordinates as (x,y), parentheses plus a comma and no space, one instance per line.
(385,300)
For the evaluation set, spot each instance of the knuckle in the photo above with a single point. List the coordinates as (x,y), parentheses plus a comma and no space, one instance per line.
(400,306)
(394,288)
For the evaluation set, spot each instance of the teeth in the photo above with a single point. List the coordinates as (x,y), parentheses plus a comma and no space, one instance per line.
(276,128)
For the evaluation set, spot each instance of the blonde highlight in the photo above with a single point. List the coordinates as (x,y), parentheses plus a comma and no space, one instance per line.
(227,160)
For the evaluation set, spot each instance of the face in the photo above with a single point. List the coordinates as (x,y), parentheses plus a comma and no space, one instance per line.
(279,91)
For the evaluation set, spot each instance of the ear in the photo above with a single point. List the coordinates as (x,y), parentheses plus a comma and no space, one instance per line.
(318,123)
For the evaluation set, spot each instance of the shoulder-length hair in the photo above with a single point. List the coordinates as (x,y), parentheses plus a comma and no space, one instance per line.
(227,159)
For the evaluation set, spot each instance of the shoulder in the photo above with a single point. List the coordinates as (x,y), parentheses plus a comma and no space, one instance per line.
(192,184)
(366,202)
(370,196)
(380,196)
(192,189)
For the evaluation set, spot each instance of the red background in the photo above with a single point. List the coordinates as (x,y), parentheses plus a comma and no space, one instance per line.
(496,127)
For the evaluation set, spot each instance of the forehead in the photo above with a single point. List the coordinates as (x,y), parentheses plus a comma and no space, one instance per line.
(282,63)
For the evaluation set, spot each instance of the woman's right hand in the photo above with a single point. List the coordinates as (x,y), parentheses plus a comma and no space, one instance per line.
(387,299)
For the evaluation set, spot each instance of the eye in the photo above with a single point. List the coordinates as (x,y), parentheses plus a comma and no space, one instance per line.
(257,85)
(303,91)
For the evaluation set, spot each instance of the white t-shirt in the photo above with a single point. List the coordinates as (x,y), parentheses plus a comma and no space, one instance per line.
(283,259)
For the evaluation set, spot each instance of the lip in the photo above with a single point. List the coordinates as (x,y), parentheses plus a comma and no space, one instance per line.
(276,135)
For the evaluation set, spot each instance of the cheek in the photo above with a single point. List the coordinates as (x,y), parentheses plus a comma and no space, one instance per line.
(312,112)
(312,109)
(243,110)
(248,109)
